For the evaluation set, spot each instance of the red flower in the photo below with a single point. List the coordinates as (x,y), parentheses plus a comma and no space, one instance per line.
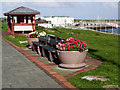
(68,48)
(32,36)
(77,41)
(76,45)
(39,31)
(73,41)
(65,41)
(84,45)
(72,47)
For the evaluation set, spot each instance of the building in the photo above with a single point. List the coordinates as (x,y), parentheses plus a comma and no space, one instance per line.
(21,19)
(59,21)
(43,23)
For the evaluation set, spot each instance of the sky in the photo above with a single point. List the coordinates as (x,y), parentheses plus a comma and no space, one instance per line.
(77,10)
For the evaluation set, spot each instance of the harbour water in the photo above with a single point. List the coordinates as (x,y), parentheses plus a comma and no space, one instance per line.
(114,30)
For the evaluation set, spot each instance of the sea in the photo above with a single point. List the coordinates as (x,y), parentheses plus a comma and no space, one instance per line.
(114,30)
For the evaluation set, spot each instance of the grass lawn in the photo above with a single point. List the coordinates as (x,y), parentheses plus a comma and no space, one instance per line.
(3,27)
(103,47)
(16,38)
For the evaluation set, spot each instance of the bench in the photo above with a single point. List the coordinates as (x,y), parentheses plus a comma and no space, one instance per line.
(47,45)
(50,48)
(42,41)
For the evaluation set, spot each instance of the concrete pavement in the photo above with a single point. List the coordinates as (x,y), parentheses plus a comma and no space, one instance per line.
(19,72)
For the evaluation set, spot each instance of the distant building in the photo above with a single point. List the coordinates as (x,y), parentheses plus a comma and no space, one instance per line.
(59,21)
(21,19)
(43,23)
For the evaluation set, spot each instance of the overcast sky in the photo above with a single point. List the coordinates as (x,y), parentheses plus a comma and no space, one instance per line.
(79,10)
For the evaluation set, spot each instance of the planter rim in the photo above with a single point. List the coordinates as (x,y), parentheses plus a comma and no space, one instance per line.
(71,51)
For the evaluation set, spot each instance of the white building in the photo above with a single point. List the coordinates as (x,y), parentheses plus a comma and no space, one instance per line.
(43,23)
(46,25)
(59,21)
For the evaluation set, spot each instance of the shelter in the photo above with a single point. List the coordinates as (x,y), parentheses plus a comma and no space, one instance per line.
(21,19)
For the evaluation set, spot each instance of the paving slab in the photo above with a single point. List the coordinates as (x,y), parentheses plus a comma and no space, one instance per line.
(19,72)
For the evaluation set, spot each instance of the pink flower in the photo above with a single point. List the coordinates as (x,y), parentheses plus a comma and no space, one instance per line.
(82,41)
(57,46)
(61,48)
(60,44)
(75,39)
(70,39)
(63,45)
(83,49)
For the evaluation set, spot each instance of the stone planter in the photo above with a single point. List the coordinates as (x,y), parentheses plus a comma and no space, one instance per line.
(72,59)
(30,40)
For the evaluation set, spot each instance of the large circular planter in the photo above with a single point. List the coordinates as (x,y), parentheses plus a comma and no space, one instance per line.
(30,40)
(72,59)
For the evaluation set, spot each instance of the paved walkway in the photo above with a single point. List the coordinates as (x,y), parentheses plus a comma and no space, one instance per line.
(19,72)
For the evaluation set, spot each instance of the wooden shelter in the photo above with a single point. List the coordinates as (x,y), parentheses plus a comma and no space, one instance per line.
(21,19)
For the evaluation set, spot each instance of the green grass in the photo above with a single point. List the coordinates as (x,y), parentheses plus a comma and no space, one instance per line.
(16,38)
(106,69)
(103,47)
(3,27)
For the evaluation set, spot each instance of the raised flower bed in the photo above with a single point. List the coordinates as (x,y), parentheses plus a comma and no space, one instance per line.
(72,53)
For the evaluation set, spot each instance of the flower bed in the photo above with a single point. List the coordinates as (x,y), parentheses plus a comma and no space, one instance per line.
(72,44)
